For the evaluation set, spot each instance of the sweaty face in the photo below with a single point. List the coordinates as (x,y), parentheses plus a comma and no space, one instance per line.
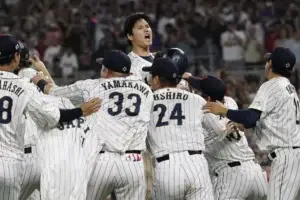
(141,34)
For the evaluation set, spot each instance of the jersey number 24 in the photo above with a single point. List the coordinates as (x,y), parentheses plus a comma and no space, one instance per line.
(176,114)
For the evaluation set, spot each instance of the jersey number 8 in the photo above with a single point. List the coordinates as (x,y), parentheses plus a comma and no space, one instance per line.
(134,110)
(176,114)
(6,104)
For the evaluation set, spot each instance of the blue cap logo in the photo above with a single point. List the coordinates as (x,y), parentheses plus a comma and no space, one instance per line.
(124,69)
(287,65)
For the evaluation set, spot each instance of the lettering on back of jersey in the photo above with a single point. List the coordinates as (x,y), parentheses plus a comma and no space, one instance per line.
(126,84)
(171,95)
(9,86)
(291,89)
(71,124)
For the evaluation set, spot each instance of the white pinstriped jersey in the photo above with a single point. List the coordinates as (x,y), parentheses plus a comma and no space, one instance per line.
(18,97)
(137,64)
(30,137)
(65,137)
(176,122)
(126,99)
(221,148)
(279,124)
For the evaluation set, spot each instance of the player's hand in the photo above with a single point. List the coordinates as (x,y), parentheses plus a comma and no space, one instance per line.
(91,106)
(37,63)
(230,127)
(186,75)
(38,77)
(216,108)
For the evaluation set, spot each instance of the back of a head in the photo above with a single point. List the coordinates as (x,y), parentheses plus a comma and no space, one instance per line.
(283,61)
(178,57)
(8,48)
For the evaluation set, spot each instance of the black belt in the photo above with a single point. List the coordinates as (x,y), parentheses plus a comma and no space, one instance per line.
(129,151)
(167,157)
(232,164)
(273,154)
(28,150)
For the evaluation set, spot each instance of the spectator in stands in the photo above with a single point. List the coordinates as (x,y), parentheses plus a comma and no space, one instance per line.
(285,38)
(68,62)
(254,48)
(233,42)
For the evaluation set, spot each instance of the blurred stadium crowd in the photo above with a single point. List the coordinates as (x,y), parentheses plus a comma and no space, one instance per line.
(225,37)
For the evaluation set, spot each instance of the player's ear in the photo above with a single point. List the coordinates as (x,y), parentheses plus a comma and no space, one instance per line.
(129,36)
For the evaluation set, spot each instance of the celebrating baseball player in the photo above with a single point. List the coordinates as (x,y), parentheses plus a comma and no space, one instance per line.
(31,162)
(126,99)
(138,31)
(274,116)
(17,98)
(175,137)
(235,173)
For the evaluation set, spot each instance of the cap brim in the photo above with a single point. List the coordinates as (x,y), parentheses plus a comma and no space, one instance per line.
(147,69)
(267,56)
(99,60)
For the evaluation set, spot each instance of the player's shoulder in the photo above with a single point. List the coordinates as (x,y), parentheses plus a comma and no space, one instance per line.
(230,103)
(274,85)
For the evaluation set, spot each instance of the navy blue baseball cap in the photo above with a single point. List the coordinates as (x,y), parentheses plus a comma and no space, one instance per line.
(282,59)
(163,67)
(116,61)
(212,86)
(8,46)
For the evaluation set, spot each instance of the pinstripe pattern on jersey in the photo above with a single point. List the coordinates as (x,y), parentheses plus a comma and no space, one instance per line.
(247,181)
(219,149)
(113,91)
(31,174)
(62,157)
(277,126)
(137,64)
(285,175)
(240,182)
(10,181)
(116,172)
(182,177)
(173,137)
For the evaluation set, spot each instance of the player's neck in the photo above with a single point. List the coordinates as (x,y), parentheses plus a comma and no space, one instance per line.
(273,75)
(6,68)
(141,51)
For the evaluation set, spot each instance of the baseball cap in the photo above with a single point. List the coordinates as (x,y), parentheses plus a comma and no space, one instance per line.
(282,59)
(163,67)
(116,61)
(210,85)
(8,46)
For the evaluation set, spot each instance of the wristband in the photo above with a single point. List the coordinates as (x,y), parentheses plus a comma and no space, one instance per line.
(42,84)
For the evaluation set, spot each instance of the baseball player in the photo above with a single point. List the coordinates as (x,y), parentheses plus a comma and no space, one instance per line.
(274,116)
(31,164)
(175,137)
(235,173)
(126,99)
(19,98)
(138,31)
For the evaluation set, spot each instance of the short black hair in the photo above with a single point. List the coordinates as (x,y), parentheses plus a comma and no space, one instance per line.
(7,60)
(132,19)
(283,72)
(166,82)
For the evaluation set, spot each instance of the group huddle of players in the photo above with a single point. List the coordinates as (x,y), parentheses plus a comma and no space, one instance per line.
(86,140)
